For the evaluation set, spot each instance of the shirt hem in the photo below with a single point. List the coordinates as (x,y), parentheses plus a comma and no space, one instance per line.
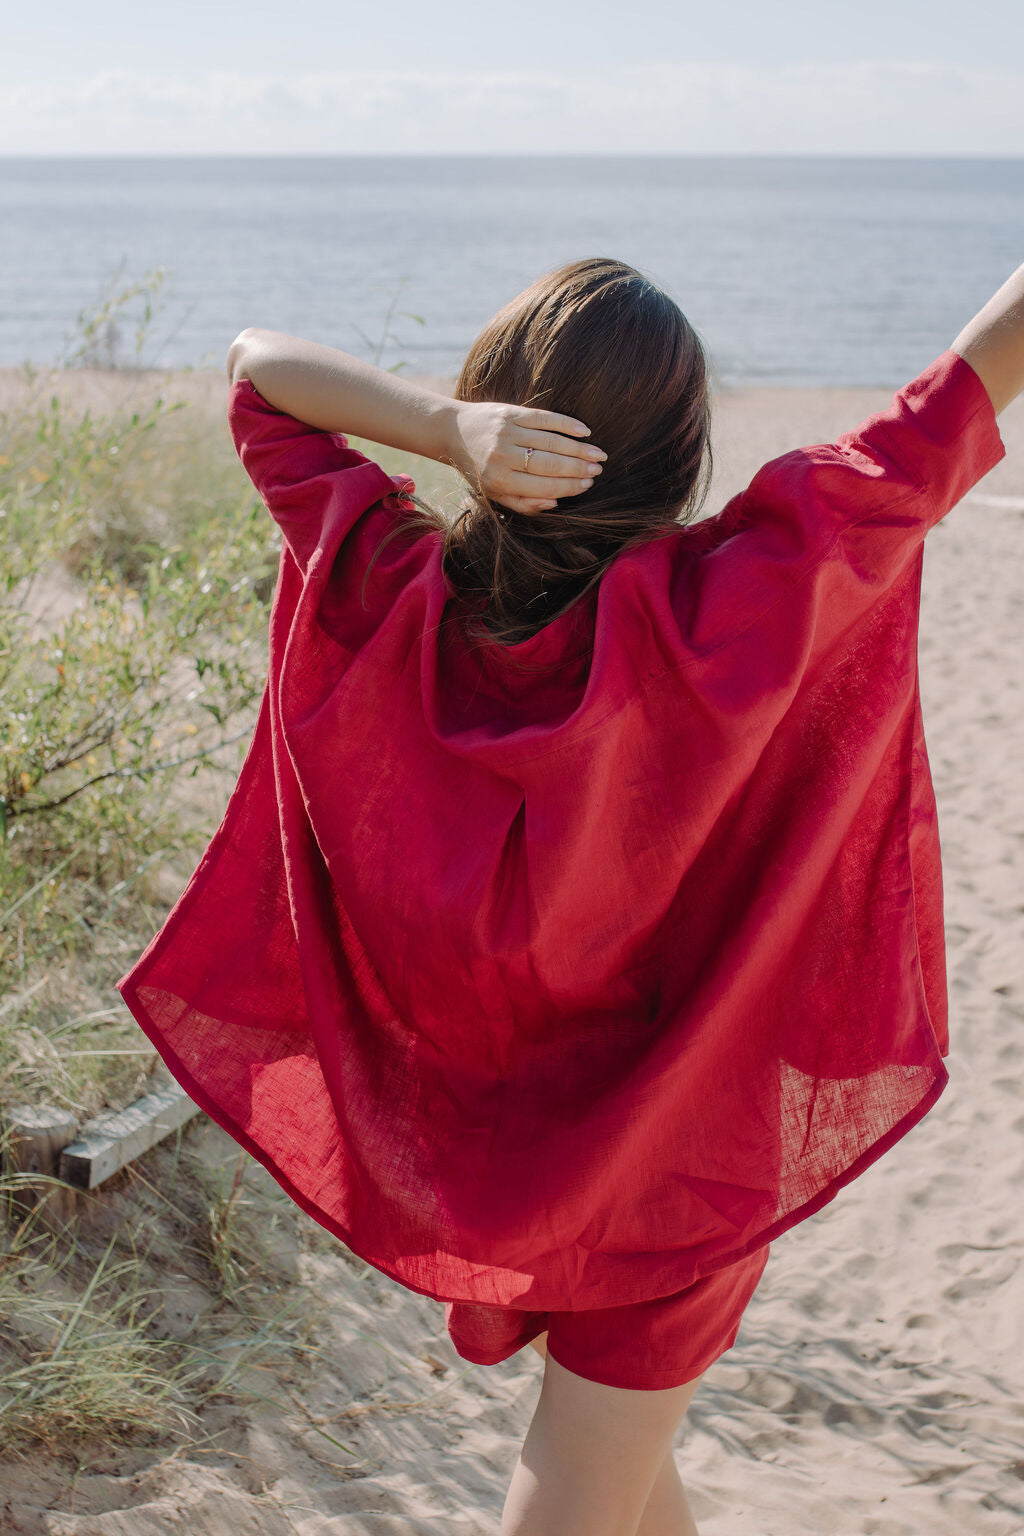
(209,1105)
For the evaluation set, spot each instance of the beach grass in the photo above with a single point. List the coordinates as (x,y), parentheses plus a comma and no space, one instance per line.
(132,655)
(139,565)
(138,568)
(160,1297)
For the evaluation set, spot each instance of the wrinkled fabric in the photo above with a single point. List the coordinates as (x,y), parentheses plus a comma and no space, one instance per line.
(643,1347)
(562,989)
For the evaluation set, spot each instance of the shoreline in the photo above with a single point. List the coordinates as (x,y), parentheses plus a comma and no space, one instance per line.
(750,426)
(205,381)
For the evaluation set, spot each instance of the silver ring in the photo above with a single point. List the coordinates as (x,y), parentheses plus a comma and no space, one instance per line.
(526,466)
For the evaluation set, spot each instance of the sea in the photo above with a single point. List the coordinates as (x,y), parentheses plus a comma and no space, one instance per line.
(807,271)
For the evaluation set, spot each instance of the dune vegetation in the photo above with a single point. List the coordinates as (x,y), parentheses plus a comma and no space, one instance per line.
(137,566)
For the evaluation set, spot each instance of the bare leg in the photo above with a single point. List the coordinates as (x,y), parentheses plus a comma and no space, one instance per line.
(597,1461)
(666,1512)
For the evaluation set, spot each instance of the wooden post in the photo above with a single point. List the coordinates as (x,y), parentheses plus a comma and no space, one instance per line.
(35,1135)
(50,1142)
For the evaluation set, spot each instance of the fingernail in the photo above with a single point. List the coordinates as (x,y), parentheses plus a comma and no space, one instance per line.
(585,483)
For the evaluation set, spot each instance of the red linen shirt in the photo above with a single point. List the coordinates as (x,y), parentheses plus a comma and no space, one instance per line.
(563,989)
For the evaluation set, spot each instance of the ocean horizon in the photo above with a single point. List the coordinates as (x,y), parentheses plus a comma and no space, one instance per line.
(816,271)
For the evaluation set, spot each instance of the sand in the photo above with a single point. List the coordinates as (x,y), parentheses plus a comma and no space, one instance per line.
(877,1384)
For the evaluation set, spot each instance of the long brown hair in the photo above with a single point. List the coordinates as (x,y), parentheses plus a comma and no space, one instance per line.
(596,340)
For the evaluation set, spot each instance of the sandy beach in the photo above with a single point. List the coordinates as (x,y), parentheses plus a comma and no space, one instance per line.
(877,1385)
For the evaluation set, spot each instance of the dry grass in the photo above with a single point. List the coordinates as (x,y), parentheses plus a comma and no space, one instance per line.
(138,566)
(94,1338)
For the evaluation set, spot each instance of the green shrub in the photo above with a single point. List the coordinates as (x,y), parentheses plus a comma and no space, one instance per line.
(134,579)
(136,568)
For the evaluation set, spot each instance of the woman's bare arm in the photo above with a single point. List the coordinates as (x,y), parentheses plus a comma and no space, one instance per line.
(483,439)
(331,390)
(993,342)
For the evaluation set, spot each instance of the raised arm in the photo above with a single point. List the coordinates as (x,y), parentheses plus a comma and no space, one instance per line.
(993,342)
(485,440)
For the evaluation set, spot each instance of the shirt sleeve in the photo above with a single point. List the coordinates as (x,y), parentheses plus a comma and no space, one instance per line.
(312,483)
(917,459)
(841,521)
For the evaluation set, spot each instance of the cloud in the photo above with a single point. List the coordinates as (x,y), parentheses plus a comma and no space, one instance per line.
(854,107)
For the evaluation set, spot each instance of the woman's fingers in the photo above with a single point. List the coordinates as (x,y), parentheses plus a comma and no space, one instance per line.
(551,445)
(533,487)
(527,506)
(551,421)
(553,466)
(560,465)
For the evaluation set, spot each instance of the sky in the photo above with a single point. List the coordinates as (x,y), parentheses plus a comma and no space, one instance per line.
(865,77)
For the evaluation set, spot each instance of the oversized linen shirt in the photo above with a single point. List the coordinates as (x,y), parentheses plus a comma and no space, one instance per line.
(561,989)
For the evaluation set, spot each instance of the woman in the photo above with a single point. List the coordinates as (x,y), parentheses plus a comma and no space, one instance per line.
(575,926)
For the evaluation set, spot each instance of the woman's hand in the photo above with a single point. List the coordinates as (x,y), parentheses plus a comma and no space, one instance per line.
(489,440)
(332,390)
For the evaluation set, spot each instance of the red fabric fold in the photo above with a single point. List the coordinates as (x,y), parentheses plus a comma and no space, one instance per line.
(562,989)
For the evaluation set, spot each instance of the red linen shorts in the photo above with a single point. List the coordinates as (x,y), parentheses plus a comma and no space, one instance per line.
(644,1346)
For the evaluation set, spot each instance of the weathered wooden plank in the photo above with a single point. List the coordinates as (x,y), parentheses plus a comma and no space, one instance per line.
(114,1138)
